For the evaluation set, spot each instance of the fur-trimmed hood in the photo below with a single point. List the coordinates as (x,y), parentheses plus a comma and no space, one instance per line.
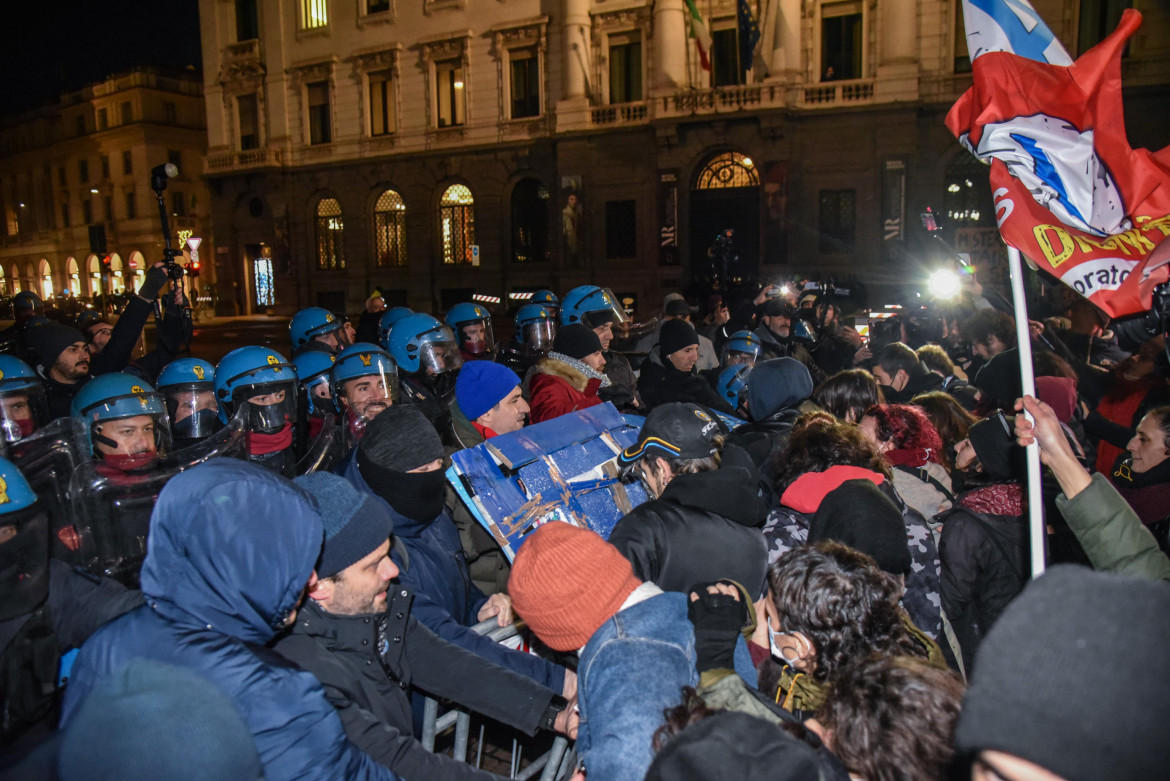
(566,371)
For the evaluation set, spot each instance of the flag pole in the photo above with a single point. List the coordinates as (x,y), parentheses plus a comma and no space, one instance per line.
(1037,531)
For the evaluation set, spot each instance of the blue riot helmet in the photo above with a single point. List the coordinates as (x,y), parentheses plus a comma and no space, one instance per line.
(803,331)
(187,388)
(592,305)
(472,325)
(732,383)
(265,379)
(364,380)
(23,406)
(421,345)
(548,299)
(24,545)
(313,368)
(313,322)
(741,348)
(126,421)
(536,327)
(389,318)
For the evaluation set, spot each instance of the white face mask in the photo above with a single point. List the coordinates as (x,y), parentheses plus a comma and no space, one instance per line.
(776,652)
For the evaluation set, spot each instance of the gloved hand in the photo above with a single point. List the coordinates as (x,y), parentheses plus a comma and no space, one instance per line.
(718,615)
(156,277)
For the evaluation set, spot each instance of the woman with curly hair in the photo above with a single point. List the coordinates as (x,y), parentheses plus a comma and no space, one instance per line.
(909,442)
(823,453)
(949,418)
(828,605)
(846,395)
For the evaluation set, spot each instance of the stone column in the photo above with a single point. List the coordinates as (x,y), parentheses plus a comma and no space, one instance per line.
(576,48)
(670,44)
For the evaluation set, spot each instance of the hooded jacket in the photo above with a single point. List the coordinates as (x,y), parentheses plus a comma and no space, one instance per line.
(703,527)
(660,383)
(231,549)
(557,388)
(445,600)
(368,664)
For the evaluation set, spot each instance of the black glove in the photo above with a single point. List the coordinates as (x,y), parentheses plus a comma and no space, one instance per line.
(155,279)
(718,619)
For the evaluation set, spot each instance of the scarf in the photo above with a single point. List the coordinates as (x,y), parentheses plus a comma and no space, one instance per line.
(262,444)
(581,367)
(1120,406)
(911,457)
(998,499)
(1148,493)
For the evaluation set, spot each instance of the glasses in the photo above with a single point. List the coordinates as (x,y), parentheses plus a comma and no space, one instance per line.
(102,332)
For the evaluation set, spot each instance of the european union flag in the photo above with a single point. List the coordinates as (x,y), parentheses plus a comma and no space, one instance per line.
(749,35)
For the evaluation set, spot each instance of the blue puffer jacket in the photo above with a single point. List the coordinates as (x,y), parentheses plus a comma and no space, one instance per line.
(445,599)
(231,548)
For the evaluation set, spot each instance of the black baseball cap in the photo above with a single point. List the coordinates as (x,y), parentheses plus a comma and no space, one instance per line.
(679,430)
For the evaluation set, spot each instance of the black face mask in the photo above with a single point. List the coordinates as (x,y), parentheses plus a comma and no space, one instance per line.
(417,495)
(24,563)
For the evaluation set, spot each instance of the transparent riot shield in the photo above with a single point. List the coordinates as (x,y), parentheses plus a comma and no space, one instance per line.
(230,441)
(48,459)
(325,451)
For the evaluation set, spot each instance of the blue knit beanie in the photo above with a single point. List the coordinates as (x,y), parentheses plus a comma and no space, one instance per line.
(154,720)
(356,523)
(482,385)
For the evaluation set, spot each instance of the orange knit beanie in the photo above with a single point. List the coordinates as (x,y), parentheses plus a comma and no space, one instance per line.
(566,582)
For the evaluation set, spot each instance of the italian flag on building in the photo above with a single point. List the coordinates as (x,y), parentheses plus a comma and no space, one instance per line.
(701,35)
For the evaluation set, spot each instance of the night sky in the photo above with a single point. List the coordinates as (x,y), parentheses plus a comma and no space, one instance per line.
(47,48)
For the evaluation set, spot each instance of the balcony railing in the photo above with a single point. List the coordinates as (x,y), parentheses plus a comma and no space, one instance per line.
(235,161)
(838,93)
(620,113)
(720,100)
(242,50)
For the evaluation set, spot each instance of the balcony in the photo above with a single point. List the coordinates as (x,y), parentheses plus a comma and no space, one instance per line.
(834,94)
(239,161)
(720,100)
(619,114)
(242,50)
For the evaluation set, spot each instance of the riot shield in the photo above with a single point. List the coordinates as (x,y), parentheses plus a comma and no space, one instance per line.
(230,441)
(48,459)
(325,451)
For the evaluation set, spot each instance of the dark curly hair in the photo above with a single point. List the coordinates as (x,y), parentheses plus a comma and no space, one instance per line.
(950,419)
(907,428)
(819,441)
(986,323)
(847,394)
(839,599)
(893,717)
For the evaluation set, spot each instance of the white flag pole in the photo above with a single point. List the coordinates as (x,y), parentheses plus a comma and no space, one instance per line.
(1037,530)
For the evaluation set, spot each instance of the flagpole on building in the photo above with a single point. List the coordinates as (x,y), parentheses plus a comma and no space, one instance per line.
(1037,531)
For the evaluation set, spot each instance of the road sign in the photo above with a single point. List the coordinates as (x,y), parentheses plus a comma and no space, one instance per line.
(475,254)
(193,242)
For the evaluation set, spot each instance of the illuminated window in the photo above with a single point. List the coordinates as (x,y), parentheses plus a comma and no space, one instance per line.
(249,122)
(625,67)
(726,170)
(390,230)
(967,201)
(330,235)
(525,83)
(314,14)
(320,128)
(381,103)
(457,224)
(449,93)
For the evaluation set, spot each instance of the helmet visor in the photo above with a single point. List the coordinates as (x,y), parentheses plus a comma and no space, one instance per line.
(369,394)
(193,410)
(737,358)
(539,336)
(476,338)
(23,410)
(440,357)
(270,405)
(602,307)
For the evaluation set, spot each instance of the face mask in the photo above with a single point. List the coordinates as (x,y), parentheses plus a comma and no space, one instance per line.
(124,462)
(776,652)
(203,423)
(16,430)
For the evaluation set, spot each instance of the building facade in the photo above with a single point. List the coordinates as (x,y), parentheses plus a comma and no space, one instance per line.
(77,174)
(437,149)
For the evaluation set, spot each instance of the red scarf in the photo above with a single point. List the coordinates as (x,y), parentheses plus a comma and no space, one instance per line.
(263,444)
(911,457)
(483,430)
(999,499)
(1120,406)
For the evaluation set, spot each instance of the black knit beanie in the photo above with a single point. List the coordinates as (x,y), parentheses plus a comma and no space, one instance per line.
(399,439)
(859,515)
(995,447)
(49,340)
(576,341)
(1072,677)
(676,335)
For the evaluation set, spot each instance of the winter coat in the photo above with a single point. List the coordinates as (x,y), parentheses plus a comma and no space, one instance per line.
(485,561)
(632,668)
(434,568)
(1111,533)
(622,390)
(704,527)
(660,383)
(557,388)
(32,645)
(219,581)
(774,346)
(927,489)
(920,381)
(368,664)
(984,565)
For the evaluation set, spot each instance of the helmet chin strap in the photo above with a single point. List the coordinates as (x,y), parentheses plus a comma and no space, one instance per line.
(102,439)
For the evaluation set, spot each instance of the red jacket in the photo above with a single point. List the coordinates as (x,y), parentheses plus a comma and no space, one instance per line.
(557,388)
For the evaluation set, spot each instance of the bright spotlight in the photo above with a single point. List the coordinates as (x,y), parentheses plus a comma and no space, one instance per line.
(944,284)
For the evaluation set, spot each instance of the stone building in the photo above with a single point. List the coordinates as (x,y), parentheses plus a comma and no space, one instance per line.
(84,162)
(438,149)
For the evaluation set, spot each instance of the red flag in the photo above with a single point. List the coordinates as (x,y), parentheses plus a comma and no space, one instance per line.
(1070,193)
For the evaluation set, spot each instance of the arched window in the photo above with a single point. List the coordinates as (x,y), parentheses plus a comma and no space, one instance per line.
(3,283)
(137,268)
(14,280)
(330,235)
(389,230)
(46,280)
(529,221)
(74,277)
(967,202)
(117,279)
(727,170)
(457,224)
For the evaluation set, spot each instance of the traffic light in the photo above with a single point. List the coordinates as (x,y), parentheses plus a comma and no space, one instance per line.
(106,261)
(193,268)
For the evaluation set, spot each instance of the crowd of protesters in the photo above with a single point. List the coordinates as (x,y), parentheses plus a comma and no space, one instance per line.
(258,569)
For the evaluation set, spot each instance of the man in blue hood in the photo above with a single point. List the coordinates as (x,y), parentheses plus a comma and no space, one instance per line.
(232,551)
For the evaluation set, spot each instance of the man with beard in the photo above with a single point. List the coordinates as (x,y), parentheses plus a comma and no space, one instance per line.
(364,382)
(356,635)
(775,332)
(62,363)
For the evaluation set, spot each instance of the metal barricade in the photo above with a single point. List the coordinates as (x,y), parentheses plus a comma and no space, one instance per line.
(554,764)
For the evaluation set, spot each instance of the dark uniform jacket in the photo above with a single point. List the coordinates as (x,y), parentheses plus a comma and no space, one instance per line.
(661,383)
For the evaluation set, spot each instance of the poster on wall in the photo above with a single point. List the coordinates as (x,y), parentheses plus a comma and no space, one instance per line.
(775,213)
(893,207)
(571,209)
(668,254)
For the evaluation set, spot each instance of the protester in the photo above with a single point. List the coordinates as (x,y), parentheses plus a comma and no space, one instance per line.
(901,375)
(848,394)
(570,376)
(488,402)
(669,373)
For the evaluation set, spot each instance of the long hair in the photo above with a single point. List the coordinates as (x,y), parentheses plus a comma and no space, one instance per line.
(949,418)
(907,428)
(819,441)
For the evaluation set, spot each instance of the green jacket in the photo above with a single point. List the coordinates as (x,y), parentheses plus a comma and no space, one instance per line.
(1111,532)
